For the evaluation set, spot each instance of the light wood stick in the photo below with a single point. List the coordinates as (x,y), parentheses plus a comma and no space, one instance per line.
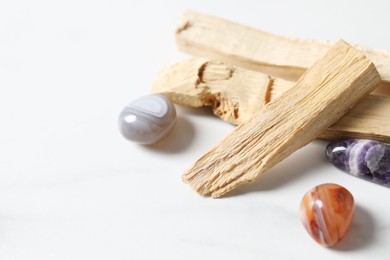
(320,97)
(236,94)
(281,57)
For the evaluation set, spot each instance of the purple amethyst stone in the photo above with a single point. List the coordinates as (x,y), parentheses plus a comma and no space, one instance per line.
(366,159)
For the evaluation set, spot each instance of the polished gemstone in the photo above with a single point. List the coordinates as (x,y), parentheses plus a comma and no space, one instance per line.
(326,211)
(147,119)
(366,159)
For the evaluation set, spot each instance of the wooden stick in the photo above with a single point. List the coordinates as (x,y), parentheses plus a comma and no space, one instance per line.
(320,97)
(236,94)
(281,57)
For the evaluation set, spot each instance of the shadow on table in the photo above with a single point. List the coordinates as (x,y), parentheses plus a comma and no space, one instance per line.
(361,233)
(197,111)
(294,168)
(178,140)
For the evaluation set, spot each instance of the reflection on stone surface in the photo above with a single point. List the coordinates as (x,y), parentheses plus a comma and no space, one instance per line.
(326,211)
(366,159)
(147,119)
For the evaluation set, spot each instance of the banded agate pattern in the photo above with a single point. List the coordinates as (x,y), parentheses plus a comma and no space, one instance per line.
(148,119)
(326,212)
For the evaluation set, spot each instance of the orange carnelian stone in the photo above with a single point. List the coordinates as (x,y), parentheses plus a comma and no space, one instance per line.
(326,212)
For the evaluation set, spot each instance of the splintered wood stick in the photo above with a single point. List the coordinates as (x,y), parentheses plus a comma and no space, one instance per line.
(320,97)
(287,58)
(236,94)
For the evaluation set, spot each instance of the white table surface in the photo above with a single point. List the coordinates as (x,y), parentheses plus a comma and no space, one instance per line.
(72,188)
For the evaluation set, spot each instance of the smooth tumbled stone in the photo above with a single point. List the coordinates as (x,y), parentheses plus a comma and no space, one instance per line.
(326,211)
(366,159)
(147,119)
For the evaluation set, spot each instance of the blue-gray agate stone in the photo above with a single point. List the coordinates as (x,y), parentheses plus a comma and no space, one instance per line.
(366,159)
(148,119)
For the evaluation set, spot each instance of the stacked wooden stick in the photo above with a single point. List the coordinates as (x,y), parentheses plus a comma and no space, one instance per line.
(278,90)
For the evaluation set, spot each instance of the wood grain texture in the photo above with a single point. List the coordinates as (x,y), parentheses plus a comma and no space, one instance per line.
(281,57)
(320,97)
(236,94)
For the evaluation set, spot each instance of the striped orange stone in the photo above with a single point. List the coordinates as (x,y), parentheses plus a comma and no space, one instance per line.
(326,211)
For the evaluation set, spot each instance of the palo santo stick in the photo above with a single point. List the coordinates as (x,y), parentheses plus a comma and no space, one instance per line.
(281,57)
(236,94)
(367,120)
(320,97)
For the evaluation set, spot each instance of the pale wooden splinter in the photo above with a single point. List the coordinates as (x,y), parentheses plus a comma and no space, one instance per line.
(283,57)
(320,97)
(236,94)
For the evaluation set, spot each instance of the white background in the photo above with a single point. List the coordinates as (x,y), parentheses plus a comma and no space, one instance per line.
(72,188)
